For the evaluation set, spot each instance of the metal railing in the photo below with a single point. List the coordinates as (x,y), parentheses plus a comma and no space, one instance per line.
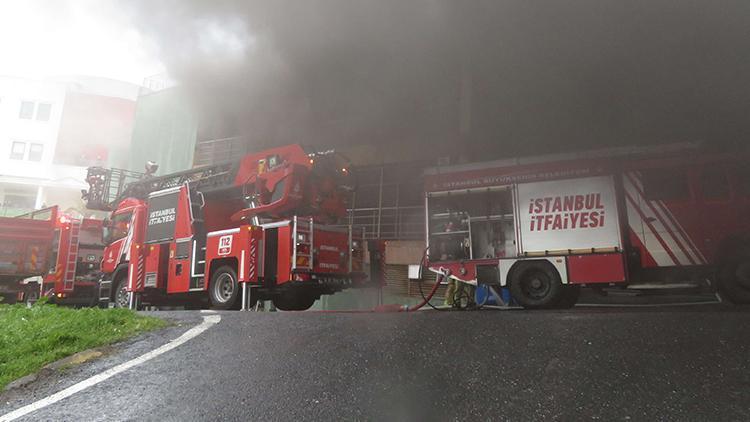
(402,223)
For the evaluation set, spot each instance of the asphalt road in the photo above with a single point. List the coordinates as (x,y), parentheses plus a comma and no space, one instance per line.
(610,364)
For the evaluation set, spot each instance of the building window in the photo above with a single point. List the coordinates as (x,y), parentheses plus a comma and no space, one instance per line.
(714,184)
(35,152)
(667,184)
(27,110)
(17,150)
(43,112)
(14,202)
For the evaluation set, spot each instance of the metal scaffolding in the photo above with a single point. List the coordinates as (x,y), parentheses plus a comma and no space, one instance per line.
(389,201)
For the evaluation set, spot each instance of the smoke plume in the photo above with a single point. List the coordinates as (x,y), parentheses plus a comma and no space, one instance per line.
(498,77)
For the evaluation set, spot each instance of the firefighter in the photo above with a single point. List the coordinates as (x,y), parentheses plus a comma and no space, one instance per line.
(458,290)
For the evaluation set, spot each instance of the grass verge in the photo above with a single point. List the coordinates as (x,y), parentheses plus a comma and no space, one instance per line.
(33,337)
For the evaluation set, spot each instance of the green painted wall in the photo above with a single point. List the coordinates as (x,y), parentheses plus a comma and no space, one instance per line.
(164,131)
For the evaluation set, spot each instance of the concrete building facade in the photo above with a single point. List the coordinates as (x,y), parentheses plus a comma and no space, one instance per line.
(51,130)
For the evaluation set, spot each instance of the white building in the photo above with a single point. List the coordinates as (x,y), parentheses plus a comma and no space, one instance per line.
(32,113)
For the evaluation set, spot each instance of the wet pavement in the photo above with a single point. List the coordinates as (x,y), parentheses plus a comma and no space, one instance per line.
(665,363)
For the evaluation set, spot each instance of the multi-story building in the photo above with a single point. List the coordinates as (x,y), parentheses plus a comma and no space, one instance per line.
(50,130)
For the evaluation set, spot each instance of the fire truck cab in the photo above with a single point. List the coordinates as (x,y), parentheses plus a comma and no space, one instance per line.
(545,226)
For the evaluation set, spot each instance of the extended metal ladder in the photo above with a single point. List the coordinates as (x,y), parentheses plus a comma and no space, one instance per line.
(302,235)
(71,261)
(107,187)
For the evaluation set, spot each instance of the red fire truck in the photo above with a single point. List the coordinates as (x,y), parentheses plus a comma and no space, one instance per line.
(229,234)
(45,253)
(545,226)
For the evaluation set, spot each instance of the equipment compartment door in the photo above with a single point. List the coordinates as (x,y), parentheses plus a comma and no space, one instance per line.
(568,215)
(179,267)
(270,256)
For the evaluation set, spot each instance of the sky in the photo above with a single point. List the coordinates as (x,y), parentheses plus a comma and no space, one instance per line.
(41,38)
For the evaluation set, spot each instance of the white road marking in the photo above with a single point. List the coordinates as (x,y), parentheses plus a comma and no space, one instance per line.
(207,311)
(208,321)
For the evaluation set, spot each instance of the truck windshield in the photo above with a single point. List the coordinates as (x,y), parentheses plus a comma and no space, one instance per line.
(117,228)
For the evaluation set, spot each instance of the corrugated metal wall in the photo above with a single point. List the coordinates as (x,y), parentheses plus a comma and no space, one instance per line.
(164,131)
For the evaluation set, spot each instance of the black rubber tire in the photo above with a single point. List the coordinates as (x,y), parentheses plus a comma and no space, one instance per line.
(294,301)
(734,281)
(224,296)
(120,296)
(536,285)
(569,297)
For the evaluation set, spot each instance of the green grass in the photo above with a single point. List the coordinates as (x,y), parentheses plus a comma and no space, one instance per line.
(33,337)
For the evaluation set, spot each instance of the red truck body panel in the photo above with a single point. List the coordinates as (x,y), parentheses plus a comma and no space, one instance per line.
(25,244)
(64,254)
(596,268)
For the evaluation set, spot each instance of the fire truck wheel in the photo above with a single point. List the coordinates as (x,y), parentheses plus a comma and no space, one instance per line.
(121,297)
(569,297)
(734,281)
(294,302)
(224,288)
(536,285)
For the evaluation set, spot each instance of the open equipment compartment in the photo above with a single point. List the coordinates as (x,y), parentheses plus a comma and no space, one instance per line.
(471,224)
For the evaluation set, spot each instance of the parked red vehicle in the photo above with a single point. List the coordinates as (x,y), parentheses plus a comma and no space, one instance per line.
(48,254)
(545,226)
(228,234)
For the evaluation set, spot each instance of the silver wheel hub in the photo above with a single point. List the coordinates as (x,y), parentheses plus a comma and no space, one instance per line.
(121,298)
(224,287)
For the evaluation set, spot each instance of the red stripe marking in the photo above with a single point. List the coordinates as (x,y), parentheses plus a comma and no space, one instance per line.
(697,252)
(661,220)
(687,238)
(653,231)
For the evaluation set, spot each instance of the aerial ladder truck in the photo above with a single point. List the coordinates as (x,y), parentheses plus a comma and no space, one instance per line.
(228,234)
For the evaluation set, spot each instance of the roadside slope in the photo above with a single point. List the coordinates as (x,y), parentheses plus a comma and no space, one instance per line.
(33,337)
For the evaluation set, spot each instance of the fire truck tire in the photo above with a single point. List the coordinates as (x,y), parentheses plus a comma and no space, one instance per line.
(120,296)
(224,289)
(294,302)
(569,297)
(536,285)
(734,281)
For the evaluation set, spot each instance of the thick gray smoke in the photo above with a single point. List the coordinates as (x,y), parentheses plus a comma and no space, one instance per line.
(511,76)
